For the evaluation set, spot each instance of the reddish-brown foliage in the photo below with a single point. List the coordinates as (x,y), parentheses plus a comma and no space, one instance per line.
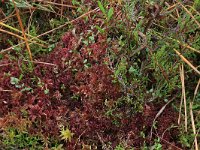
(73,92)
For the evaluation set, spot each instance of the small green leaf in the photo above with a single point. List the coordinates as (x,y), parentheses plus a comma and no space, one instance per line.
(85,42)
(136,37)
(91,38)
(14,80)
(196,4)
(101,7)
(26,89)
(100,29)
(85,61)
(196,107)
(51,47)
(132,70)
(75,2)
(46,91)
(1,56)
(110,13)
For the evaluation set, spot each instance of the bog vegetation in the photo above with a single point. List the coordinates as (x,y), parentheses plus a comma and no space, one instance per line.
(107,74)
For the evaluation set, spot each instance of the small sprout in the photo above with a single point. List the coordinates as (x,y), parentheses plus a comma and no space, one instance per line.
(132,70)
(11,134)
(39,83)
(66,134)
(86,42)
(101,7)
(85,61)
(51,47)
(27,89)
(100,29)
(88,147)
(19,86)
(46,91)
(63,87)
(59,147)
(14,81)
(75,2)
(18,49)
(110,13)
(1,56)
(91,38)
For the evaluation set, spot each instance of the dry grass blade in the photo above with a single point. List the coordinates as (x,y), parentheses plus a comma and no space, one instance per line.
(58,4)
(3,90)
(20,37)
(23,31)
(192,116)
(177,41)
(170,7)
(183,94)
(61,14)
(11,15)
(14,29)
(50,31)
(168,142)
(196,89)
(2,65)
(197,134)
(12,47)
(44,63)
(61,26)
(187,62)
(193,9)
(13,34)
(159,113)
(193,126)
(190,14)
(181,104)
(185,45)
(1,12)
